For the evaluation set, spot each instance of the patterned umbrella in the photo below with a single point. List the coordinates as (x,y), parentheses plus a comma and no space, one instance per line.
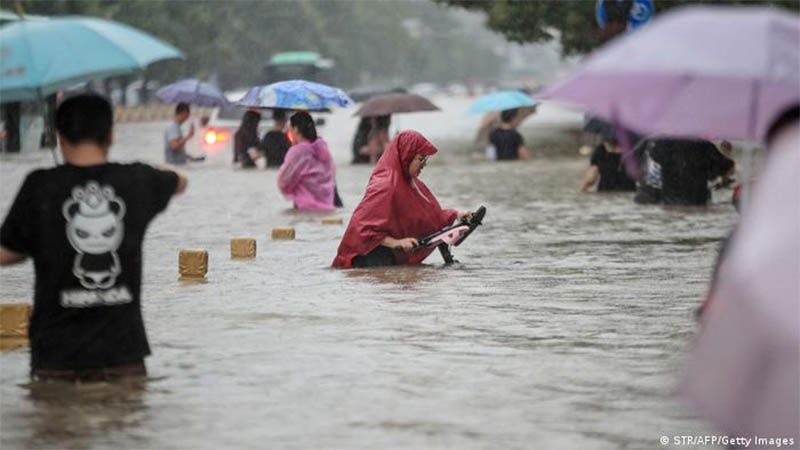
(297,95)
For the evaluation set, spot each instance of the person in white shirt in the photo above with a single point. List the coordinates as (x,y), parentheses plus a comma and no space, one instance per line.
(174,140)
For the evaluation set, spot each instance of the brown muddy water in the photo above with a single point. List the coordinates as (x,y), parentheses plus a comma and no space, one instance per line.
(564,325)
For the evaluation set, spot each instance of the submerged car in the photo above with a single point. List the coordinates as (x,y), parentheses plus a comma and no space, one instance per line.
(217,129)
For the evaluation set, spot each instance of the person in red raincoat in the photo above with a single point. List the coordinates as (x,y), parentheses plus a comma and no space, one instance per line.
(396,210)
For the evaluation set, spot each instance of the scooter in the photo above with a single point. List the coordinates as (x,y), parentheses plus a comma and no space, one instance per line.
(452,235)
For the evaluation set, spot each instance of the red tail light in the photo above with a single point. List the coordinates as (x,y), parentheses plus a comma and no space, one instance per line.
(213,136)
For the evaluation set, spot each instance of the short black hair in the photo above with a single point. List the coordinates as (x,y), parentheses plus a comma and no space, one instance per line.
(85,117)
(305,124)
(785,117)
(383,121)
(181,108)
(508,115)
(279,114)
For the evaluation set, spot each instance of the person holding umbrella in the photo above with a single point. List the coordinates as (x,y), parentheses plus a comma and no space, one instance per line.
(360,140)
(307,175)
(507,142)
(605,166)
(377,138)
(678,171)
(275,144)
(175,141)
(732,72)
(184,93)
(245,140)
(372,136)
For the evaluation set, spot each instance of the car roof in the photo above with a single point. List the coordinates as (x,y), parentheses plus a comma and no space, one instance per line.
(294,58)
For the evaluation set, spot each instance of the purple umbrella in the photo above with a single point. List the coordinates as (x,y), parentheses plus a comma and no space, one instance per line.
(744,368)
(194,92)
(696,71)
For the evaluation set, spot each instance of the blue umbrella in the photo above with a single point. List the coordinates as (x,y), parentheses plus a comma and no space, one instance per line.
(193,92)
(500,101)
(299,95)
(40,57)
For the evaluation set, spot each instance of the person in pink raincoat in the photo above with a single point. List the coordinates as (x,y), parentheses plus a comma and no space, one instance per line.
(308,175)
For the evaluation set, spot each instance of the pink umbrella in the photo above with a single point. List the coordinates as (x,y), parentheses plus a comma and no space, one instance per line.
(695,71)
(744,368)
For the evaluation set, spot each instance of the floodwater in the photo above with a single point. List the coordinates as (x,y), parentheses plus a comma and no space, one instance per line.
(563,326)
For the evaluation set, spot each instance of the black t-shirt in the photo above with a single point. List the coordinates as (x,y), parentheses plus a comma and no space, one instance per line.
(83,227)
(612,172)
(506,142)
(686,168)
(275,145)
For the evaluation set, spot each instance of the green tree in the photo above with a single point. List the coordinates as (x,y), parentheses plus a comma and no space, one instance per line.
(233,39)
(572,21)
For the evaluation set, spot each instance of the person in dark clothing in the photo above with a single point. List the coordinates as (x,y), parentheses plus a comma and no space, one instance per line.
(677,171)
(275,143)
(245,140)
(12,112)
(607,167)
(506,140)
(83,224)
(378,138)
(48,137)
(360,141)
(648,188)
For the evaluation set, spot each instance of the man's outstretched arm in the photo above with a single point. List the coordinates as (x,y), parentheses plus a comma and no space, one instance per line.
(7,257)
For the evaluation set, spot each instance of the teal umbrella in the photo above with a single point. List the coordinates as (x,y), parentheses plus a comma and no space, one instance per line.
(500,101)
(40,57)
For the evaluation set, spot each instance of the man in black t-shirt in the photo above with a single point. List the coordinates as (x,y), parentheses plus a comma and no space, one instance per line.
(275,144)
(506,140)
(83,224)
(606,166)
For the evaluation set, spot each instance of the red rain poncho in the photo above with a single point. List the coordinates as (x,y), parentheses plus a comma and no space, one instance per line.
(395,205)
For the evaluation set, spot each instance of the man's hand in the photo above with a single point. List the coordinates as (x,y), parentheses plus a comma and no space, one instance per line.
(407,244)
(7,257)
(464,216)
(182,183)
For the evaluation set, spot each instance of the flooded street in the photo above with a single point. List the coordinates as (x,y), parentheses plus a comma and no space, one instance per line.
(564,325)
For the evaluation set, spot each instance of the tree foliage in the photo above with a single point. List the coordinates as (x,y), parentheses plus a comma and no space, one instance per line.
(368,40)
(573,21)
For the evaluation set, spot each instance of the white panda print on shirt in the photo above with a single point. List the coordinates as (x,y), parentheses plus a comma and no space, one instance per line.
(95,230)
